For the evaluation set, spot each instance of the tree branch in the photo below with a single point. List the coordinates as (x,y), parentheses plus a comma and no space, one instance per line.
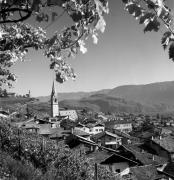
(14,10)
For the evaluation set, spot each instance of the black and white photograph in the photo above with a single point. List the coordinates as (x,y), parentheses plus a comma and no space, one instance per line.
(86,89)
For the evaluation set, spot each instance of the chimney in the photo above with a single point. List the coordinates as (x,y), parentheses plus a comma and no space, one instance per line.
(153,158)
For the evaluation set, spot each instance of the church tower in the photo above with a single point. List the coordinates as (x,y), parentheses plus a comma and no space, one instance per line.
(54,103)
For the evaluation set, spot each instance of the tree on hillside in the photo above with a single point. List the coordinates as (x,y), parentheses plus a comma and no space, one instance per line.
(17,35)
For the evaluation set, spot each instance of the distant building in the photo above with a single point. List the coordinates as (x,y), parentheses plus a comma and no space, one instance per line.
(28,94)
(11,94)
(107,139)
(123,126)
(71,114)
(163,146)
(91,128)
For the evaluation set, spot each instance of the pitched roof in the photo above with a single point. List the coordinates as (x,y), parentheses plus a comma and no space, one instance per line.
(169,169)
(31,126)
(148,172)
(144,157)
(99,156)
(46,129)
(90,125)
(80,132)
(104,133)
(117,158)
(80,125)
(111,123)
(166,142)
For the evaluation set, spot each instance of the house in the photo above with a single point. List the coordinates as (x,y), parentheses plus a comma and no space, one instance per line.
(101,116)
(31,127)
(163,146)
(117,163)
(167,169)
(11,94)
(126,138)
(95,128)
(99,156)
(135,153)
(71,114)
(165,131)
(111,160)
(82,127)
(59,134)
(107,139)
(81,133)
(47,130)
(91,128)
(121,125)
(148,172)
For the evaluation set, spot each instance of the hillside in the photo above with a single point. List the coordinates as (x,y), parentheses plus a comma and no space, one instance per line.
(149,98)
(105,103)
(15,103)
(73,95)
(154,94)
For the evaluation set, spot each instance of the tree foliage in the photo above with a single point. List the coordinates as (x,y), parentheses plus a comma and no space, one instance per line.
(25,155)
(153,13)
(16,37)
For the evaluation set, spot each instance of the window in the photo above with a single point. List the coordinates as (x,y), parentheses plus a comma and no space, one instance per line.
(117,170)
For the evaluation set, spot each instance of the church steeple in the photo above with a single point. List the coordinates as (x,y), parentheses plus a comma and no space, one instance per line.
(53,90)
(54,102)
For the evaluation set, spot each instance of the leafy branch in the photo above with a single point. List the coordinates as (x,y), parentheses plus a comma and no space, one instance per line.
(155,10)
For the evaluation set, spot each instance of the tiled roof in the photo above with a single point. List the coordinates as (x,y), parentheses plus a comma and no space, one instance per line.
(80,132)
(166,142)
(169,169)
(99,156)
(31,126)
(101,134)
(122,134)
(148,172)
(111,123)
(117,158)
(46,129)
(144,157)
(90,125)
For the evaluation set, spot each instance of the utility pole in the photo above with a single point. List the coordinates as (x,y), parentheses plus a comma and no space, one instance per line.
(96,172)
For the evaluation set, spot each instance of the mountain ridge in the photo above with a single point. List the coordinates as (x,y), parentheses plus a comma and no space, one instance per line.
(153,97)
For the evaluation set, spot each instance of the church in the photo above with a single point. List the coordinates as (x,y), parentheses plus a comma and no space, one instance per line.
(56,111)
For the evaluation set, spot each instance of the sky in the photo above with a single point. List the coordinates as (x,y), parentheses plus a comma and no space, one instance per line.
(124,55)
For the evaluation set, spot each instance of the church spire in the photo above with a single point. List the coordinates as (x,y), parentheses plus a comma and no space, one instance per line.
(54,102)
(53,90)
